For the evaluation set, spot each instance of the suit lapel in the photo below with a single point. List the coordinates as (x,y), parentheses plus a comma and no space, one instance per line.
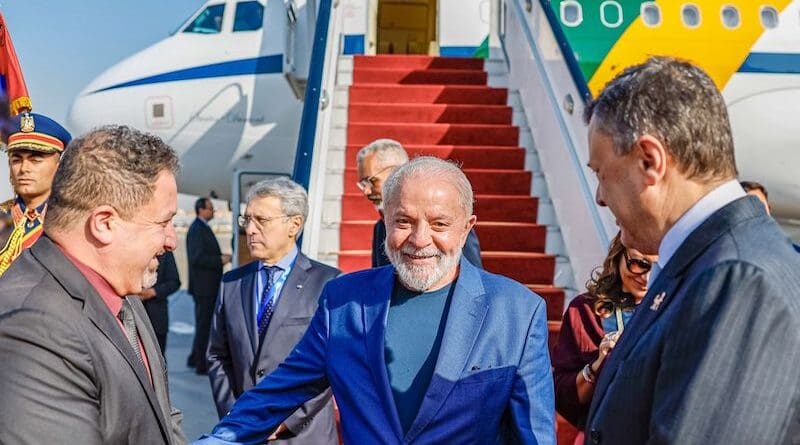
(661,293)
(464,321)
(290,294)
(247,292)
(375,309)
(153,351)
(74,283)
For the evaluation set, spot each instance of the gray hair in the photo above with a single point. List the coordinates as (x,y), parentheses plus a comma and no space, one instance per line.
(387,151)
(113,165)
(676,102)
(294,199)
(429,167)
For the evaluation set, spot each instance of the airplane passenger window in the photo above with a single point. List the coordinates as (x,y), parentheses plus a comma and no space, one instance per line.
(249,16)
(651,14)
(611,13)
(730,17)
(208,22)
(571,13)
(691,16)
(769,17)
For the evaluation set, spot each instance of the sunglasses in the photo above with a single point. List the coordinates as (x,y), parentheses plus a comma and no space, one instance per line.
(636,266)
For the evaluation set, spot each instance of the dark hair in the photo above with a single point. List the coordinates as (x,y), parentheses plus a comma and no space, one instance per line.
(113,165)
(676,102)
(753,185)
(605,286)
(201,203)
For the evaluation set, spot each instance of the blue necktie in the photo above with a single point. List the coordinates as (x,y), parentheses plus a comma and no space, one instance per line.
(266,305)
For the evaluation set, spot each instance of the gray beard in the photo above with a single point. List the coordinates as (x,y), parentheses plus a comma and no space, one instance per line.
(421,278)
(149,278)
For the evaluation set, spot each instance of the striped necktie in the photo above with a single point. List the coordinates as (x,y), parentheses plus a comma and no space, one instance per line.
(266,305)
(126,316)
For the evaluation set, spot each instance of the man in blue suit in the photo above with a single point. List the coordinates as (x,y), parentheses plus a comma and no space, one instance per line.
(429,350)
(711,355)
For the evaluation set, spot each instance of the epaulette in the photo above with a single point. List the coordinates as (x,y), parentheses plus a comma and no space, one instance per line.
(6,206)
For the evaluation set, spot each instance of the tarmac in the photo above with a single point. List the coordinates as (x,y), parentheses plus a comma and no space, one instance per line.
(188,391)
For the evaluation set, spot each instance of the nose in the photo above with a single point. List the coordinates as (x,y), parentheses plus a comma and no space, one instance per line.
(421,236)
(171,239)
(250,229)
(598,197)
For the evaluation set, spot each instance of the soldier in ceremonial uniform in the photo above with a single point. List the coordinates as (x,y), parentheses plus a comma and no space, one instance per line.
(34,151)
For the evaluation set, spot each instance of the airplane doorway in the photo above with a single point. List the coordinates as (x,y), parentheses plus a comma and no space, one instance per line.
(406,27)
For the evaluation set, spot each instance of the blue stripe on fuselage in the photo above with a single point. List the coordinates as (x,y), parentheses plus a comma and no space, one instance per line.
(771,63)
(258,65)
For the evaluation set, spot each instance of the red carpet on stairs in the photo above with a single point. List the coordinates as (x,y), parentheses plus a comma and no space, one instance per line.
(443,107)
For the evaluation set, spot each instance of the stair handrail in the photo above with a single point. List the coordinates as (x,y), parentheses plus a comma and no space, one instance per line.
(586,247)
(315,125)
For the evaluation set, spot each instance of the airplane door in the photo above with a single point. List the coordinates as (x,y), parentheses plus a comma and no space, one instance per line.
(407,27)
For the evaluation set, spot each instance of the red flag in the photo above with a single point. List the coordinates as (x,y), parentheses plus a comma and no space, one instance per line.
(11,80)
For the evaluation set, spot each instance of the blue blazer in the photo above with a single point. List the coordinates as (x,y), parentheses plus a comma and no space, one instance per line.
(711,356)
(491,385)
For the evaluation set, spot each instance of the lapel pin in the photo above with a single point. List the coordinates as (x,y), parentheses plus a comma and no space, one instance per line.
(657,301)
(299,286)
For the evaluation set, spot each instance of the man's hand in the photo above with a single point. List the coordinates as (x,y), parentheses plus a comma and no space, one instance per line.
(281,429)
(147,294)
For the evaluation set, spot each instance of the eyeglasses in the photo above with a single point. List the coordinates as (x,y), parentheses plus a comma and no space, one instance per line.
(259,221)
(636,266)
(369,181)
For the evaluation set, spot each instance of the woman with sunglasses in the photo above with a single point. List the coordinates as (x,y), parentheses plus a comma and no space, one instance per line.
(592,323)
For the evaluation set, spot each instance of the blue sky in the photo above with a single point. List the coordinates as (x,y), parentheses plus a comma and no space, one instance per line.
(64,44)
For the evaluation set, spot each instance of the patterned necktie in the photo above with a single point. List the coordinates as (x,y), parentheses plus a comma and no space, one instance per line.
(266,306)
(126,315)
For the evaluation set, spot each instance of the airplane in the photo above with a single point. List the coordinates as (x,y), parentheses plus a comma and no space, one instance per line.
(224,90)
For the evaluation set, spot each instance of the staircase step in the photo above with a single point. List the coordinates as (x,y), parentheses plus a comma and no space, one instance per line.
(565,431)
(405,76)
(429,94)
(487,208)
(484,181)
(450,134)
(417,62)
(430,113)
(553,329)
(511,237)
(469,156)
(554,298)
(529,268)
(353,260)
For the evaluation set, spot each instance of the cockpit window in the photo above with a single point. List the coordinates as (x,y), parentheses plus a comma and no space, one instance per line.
(651,14)
(207,22)
(690,15)
(249,16)
(571,13)
(769,17)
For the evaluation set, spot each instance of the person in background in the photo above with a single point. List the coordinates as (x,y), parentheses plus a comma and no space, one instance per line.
(155,298)
(205,272)
(756,189)
(592,323)
(429,350)
(34,152)
(376,161)
(265,307)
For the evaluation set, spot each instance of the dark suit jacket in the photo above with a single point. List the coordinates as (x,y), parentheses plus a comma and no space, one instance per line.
(712,354)
(205,260)
(167,283)
(472,248)
(69,374)
(236,363)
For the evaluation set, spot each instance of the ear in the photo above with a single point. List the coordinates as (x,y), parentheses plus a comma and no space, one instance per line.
(471,222)
(295,224)
(652,158)
(102,224)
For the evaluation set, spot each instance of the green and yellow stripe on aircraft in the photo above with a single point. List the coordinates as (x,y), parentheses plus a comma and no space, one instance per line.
(603,51)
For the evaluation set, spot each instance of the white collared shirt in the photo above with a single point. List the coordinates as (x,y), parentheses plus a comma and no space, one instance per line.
(701,210)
